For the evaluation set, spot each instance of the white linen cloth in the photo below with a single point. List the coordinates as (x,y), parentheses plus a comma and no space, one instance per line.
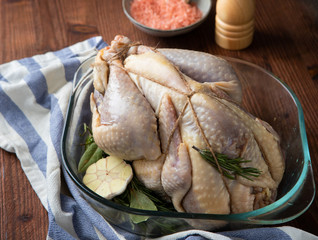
(34,95)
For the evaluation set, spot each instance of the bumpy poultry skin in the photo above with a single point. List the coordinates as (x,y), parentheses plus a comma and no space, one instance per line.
(208,69)
(200,111)
(116,116)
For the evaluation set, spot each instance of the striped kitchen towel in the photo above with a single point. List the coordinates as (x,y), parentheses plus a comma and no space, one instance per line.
(34,94)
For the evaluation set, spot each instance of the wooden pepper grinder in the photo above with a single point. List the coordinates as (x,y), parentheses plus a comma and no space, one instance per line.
(234,23)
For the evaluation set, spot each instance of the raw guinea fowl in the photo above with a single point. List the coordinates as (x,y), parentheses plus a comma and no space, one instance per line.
(152,106)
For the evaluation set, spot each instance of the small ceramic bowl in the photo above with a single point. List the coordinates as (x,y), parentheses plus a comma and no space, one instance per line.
(266,97)
(204,5)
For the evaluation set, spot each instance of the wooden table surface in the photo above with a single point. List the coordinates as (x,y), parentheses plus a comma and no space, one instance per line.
(285,42)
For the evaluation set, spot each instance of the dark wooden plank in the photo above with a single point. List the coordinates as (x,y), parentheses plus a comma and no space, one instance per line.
(285,42)
(22,214)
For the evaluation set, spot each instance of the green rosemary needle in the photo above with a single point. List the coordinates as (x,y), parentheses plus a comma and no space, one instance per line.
(230,167)
(136,185)
(135,188)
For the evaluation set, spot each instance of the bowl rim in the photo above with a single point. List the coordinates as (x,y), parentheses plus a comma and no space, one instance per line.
(246,216)
(171,31)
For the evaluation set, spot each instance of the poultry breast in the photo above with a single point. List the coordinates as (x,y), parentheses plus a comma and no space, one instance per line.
(155,106)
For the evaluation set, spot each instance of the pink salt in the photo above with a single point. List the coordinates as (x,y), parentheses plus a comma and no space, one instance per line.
(165,14)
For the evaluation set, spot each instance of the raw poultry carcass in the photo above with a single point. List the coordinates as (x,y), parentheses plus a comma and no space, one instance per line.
(157,107)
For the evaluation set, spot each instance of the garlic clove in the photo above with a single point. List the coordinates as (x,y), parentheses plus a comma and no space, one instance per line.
(108,177)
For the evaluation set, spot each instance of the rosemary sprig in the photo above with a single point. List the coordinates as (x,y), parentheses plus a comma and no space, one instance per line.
(92,152)
(138,196)
(136,185)
(134,189)
(89,139)
(230,167)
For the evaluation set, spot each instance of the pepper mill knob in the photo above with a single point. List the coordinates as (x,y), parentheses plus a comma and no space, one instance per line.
(234,23)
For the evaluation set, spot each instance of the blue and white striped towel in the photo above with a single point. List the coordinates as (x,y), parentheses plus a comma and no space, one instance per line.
(34,94)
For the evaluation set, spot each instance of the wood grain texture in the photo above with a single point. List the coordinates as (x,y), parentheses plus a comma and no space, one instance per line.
(285,43)
(21,213)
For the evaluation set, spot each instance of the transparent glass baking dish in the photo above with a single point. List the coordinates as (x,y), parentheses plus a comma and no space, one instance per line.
(266,97)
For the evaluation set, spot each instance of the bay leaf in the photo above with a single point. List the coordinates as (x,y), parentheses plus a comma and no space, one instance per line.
(139,200)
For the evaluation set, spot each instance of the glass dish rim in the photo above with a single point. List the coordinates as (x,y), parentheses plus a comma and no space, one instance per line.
(246,216)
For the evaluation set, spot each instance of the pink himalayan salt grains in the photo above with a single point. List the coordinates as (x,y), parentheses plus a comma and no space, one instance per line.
(165,14)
